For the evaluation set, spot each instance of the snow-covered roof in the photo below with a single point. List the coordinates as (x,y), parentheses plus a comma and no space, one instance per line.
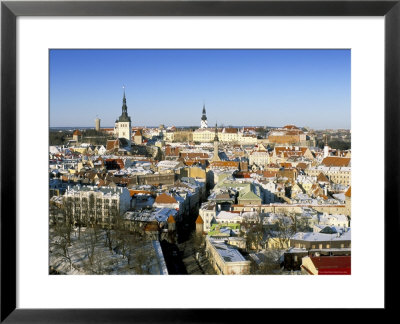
(319,237)
(227,252)
(157,214)
(225,215)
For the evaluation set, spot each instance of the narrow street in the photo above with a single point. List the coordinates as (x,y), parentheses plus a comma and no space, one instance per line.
(181,257)
(194,266)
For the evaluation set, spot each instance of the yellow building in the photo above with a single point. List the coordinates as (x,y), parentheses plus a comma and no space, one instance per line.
(225,258)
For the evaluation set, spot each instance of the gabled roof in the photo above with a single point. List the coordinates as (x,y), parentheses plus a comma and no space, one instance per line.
(111,144)
(322,178)
(348,193)
(199,220)
(171,219)
(248,195)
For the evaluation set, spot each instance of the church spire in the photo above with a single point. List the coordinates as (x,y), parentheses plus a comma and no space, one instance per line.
(203,123)
(216,140)
(124,107)
(124,116)
(204,117)
(216,133)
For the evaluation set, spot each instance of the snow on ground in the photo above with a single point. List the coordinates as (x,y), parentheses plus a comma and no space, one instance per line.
(89,253)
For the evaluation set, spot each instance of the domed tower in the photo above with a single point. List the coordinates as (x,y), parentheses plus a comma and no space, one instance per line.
(203,123)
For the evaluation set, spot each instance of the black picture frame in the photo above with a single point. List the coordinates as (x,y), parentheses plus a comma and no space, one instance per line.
(10,10)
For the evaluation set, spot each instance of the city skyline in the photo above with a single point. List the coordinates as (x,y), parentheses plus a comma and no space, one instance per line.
(238,87)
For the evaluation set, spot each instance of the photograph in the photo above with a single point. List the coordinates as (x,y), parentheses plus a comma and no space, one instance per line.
(199,162)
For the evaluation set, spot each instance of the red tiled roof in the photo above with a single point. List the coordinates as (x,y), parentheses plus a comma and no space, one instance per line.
(322,178)
(335,161)
(230,130)
(133,192)
(77,132)
(171,219)
(225,164)
(290,127)
(165,199)
(120,163)
(199,220)
(332,264)
(348,192)
(111,144)
(302,165)
(194,156)
(269,174)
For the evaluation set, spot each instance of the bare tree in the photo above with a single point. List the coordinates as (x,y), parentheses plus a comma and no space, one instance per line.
(90,240)
(91,210)
(68,216)
(143,257)
(253,233)
(54,212)
(284,229)
(269,263)
(60,241)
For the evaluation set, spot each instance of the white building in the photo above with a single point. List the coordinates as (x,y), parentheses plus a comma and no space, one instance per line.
(204,135)
(91,204)
(208,213)
(260,156)
(270,189)
(337,220)
(225,258)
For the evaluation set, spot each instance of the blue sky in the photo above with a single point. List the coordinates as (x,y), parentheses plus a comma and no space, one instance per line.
(239,87)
